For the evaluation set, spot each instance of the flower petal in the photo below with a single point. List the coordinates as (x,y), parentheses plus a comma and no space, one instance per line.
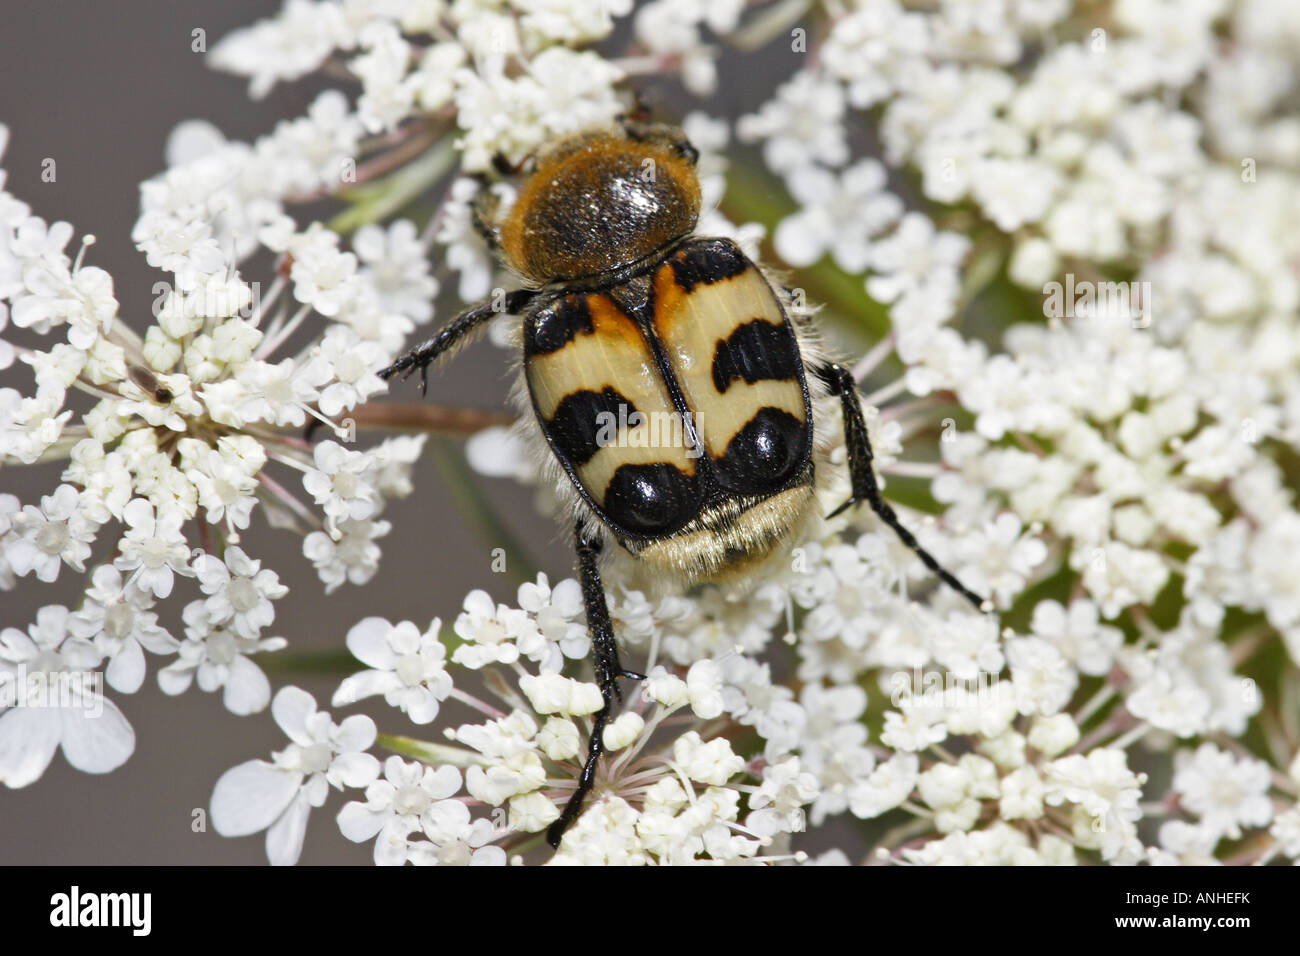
(354,770)
(368,642)
(96,740)
(359,824)
(28,738)
(247,689)
(125,672)
(355,733)
(284,839)
(361,685)
(251,797)
(175,680)
(291,708)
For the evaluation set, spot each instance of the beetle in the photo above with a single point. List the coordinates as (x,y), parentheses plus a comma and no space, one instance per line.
(627,319)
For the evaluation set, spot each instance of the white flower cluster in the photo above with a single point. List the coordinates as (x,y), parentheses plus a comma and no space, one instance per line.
(1126,428)
(671,791)
(197,424)
(508,75)
(660,800)
(1095,277)
(1129,428)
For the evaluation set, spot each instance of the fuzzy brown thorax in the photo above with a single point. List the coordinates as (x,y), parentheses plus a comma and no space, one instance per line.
(598,202)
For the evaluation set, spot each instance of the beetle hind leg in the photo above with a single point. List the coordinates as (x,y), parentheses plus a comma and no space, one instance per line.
(863,477)
(608,672)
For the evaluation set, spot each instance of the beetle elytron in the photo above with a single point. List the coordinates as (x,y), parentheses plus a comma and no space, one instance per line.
(626,315)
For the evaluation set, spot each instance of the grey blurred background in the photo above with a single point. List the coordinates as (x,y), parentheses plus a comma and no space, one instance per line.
(97,86)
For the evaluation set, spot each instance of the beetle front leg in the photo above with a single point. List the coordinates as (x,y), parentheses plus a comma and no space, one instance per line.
(455,334)
(604,650)
(862,475)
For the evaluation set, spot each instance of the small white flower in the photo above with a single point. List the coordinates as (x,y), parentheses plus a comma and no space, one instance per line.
(915,729)
(1053,735)
(284,47)
(559,739)
(777,805)
(552,630)
(278,796)
(60,706)
(1224,792)
(549,693)
(917,270)
(622,730)
(668,691)
(487,629)
(1021,795)
(57,532)
(804,120)
(219,657)
(534,812)
(397,266)
(323,276)
(704,685)
(340,482)
(1286,830)
(837,215)
(1106,795)
(711,762)
(153,547)
(261,391)
(407,667)
(353,556)
(117,618)
(1000,558)
(1078,634)
(354,365)
(410,797)
(1043,679)
(465,252)
(888,786)
(225,482)
(385,99)
(239,591)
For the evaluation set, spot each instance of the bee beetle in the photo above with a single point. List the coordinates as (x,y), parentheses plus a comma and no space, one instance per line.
(630,319)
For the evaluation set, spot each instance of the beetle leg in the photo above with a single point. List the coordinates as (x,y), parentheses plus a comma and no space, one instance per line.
(862,474)
(455,333)
(608,671)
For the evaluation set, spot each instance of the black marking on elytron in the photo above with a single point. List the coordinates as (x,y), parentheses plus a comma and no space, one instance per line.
(576,427)
(652,500)
(699,260)
(720,514)
(707,261)
(552,328)
(756,350)
(765,454)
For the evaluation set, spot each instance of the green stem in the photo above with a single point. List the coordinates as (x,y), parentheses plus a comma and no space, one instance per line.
(310,662)
(427,752)
(374,202)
